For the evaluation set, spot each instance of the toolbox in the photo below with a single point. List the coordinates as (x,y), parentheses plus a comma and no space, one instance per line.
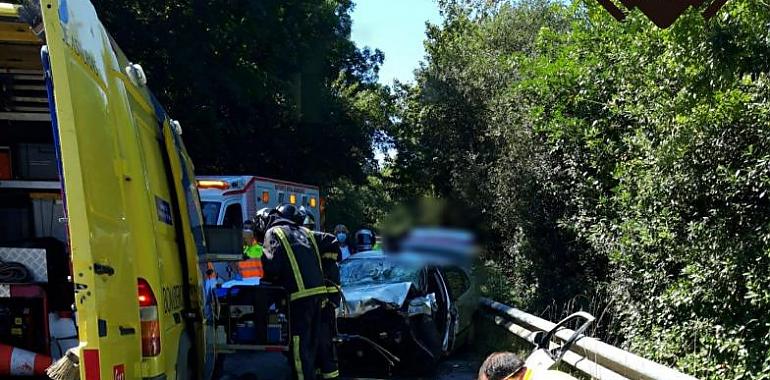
(253,318)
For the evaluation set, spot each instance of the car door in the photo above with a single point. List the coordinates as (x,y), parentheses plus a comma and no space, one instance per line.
(463,297)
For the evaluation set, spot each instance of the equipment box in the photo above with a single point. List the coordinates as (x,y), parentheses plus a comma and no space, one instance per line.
(24,317)
(253,318)
(36,161)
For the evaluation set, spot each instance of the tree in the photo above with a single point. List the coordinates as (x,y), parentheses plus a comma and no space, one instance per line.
(256,85)
(612,156)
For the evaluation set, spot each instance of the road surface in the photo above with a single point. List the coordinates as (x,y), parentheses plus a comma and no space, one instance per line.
(273,366)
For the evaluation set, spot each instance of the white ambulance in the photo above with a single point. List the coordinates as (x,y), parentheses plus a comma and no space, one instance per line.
(230,200)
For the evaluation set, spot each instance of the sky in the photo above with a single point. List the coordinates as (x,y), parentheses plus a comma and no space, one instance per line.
(397,27)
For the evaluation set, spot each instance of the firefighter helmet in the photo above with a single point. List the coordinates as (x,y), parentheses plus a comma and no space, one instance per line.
(304,218)
(289,212)
(262,221)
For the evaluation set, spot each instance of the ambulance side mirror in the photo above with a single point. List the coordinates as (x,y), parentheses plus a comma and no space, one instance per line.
(222,244)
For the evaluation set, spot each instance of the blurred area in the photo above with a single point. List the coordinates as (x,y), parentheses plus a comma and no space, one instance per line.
(431,226)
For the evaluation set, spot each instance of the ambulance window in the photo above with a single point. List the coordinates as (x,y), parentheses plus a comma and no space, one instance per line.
(210,212)
(233,216)
(281,198)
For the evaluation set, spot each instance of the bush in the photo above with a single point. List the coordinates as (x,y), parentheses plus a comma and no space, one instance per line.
(616,159)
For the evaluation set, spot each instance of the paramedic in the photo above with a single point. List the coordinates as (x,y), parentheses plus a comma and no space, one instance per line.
(251,265)
(342,238)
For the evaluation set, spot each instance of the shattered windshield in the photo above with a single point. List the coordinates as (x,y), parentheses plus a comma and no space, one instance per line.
(378,271)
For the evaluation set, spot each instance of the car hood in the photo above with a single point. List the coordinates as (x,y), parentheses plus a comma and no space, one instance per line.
(361,299)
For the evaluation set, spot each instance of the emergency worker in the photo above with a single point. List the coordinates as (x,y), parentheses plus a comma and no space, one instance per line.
(342,234)
(329,250)
(365,240)
(508,366)
(291,261)
(251,266)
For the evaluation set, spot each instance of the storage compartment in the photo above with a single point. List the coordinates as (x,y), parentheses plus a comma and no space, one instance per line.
(36,162)
(36,302)
(48,216)
(15,217)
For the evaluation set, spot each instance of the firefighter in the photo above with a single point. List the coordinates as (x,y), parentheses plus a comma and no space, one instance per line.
(291,261)
(329,251)
(364,240)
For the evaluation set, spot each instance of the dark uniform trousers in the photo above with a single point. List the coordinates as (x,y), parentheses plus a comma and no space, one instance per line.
(327,352)
(291,260)
(329,251)
(306,335)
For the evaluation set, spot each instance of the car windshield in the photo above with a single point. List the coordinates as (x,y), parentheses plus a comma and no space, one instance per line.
(378,271)
(210,212)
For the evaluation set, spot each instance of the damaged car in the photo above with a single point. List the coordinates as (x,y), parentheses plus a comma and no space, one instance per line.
(404,312)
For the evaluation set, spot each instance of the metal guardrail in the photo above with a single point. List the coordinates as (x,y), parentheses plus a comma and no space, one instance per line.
(588,355)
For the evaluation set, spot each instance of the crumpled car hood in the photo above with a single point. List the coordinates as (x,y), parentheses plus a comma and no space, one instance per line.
(359,300)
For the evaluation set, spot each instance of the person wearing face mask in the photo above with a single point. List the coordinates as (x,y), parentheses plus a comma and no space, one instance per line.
(342,233)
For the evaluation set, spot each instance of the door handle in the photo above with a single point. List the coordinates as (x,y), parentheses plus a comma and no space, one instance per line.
(104,269)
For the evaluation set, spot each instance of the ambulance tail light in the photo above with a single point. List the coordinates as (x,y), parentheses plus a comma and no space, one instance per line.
(293,199)
(265,197)
(313,202)
(149,318)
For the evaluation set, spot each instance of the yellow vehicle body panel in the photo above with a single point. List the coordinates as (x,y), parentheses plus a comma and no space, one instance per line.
(132,212)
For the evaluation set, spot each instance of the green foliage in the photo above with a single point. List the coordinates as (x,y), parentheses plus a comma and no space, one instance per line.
(609,155)
(356,206)
(271,87)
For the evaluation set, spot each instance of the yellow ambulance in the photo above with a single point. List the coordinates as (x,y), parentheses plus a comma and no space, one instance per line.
(90,161)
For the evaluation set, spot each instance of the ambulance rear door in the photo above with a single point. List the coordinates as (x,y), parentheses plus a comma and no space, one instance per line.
(91,123)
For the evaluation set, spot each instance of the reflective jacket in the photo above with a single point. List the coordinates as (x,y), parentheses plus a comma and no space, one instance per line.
(291,260)
(251,268)
(329,251)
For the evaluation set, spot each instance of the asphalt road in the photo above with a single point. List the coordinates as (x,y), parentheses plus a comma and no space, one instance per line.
(273,366)
(461,367)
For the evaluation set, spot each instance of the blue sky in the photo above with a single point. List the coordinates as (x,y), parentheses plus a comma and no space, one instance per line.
(397,27)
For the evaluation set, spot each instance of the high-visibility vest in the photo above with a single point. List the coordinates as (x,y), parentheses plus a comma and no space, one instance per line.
(253,251)
(547,375)
(251,268)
